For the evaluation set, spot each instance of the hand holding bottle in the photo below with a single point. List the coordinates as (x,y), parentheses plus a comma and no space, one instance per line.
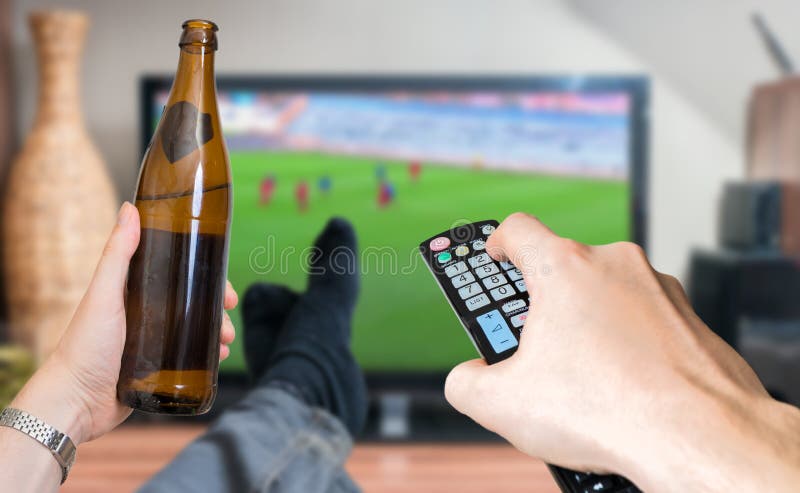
(75,389)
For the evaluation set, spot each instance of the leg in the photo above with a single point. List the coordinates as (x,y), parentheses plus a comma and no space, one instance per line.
(292,432)
(272,442)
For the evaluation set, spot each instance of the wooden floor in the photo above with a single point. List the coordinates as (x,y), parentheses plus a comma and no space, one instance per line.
(122,460)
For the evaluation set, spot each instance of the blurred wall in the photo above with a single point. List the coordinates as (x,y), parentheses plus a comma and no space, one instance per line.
(690,153)
(708,50)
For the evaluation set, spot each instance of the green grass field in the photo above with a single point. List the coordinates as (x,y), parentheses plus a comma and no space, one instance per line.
(402,321)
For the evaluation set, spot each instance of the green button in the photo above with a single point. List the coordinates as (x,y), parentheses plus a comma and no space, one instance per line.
(444,257)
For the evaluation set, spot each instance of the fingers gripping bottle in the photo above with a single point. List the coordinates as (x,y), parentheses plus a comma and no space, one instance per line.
(176,281)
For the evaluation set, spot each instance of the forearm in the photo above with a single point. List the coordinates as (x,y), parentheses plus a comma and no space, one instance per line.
(748,444)
(27,465)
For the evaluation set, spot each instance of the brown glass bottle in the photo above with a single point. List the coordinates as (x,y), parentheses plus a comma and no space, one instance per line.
(176,281)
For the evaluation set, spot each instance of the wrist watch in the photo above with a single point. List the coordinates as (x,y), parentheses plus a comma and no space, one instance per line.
(59,444)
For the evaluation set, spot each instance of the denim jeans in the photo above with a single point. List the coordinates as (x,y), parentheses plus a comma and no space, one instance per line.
(270,442)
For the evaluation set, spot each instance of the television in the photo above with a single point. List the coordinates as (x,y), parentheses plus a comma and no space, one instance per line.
(404,158)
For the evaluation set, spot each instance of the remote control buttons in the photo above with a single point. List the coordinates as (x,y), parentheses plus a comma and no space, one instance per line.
(444,257)
(470,290)
(487,270)
(519,320)
(514,274)
(478,244)
(600,484)
(462,250)
(521,286)
(513,305)
(463,279)
(477,301)
(455,269)
(439,244)
(497,331)
(502,292)
(487,229)
(479,260)
(494,281)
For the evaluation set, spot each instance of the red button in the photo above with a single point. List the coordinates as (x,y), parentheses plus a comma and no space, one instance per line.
(439,243)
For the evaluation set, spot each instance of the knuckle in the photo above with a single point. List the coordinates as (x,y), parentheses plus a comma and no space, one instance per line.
(519,218)
(630,251)
(457,388)
(452,387)
(672,282)
(567,249)
(670,279)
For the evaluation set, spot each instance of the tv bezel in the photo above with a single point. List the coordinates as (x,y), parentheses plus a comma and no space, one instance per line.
(637,86)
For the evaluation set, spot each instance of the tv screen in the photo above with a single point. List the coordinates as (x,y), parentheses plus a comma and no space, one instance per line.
(404,159)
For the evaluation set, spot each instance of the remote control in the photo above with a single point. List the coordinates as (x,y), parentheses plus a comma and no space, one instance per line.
(491,300)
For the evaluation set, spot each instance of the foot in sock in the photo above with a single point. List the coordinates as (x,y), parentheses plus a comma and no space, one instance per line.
(312,350)
(264,311)
(333,271)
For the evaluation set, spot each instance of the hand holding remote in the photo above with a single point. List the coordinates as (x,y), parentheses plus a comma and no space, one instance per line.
(615,373)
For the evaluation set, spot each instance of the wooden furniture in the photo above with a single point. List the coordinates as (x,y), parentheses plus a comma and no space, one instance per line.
(773,131)
(124,459)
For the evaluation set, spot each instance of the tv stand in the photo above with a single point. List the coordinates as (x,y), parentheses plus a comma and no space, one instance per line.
(419,416)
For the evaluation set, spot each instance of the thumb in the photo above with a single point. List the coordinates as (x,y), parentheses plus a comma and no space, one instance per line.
(466,385)
(112,270)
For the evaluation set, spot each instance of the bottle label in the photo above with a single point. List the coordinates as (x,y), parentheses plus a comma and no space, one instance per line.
(184,129)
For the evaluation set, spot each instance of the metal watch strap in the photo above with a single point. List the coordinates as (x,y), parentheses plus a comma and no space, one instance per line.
(58,443)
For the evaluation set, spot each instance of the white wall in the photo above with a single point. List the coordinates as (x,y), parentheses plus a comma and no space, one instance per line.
(690,155)
(708,50)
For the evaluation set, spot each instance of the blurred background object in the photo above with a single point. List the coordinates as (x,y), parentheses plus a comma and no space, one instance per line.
(59,202)
(7,128)
(761,214)
(16,366)
(747,289)
(773,123)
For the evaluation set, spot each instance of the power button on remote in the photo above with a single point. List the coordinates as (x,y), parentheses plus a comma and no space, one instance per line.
(439,244)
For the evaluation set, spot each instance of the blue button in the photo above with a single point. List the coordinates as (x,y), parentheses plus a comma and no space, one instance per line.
(497,331)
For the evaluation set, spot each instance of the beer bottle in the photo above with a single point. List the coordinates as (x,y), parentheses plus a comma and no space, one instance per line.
(176,281)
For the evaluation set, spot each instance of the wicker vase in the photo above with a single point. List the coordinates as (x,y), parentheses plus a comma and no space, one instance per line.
(60,203)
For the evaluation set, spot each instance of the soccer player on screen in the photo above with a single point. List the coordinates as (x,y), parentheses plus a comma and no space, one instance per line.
(301,194)
(385,194)
(325,184)
(414,169)
(266,189)
(380,172)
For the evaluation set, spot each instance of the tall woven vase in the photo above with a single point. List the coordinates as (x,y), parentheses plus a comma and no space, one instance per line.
(60,203)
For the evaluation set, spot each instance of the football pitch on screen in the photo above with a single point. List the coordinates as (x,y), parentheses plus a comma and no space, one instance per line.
(402,320)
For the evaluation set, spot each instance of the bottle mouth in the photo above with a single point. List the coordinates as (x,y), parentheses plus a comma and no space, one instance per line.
(198,34)
(200,24)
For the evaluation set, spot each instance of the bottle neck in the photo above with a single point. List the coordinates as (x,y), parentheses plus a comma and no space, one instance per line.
(194,80)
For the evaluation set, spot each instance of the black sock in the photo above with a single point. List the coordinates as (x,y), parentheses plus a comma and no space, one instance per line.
(313,349)
(264,311)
